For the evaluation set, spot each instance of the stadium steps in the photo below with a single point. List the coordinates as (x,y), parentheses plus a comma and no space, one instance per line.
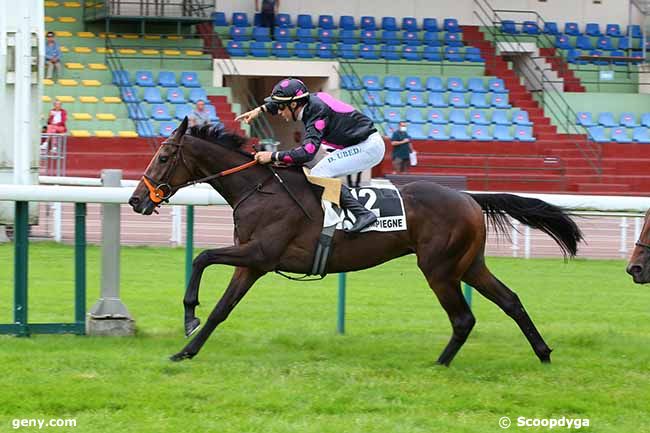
(559,65)
(225,112)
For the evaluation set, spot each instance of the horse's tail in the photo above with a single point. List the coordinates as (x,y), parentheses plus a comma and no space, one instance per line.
(550,219)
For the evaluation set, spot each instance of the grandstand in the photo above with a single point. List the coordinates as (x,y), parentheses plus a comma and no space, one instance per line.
(549,122)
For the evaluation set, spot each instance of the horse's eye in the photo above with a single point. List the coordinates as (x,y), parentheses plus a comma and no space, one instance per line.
(163,159)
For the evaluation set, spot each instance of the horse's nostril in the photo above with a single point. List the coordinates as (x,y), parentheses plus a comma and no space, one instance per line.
(634,269)
(133,201)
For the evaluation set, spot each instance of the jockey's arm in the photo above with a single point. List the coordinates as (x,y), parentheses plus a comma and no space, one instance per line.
(314,128)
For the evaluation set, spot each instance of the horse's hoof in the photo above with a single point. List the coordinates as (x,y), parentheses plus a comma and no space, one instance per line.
(180,356)
(192,326)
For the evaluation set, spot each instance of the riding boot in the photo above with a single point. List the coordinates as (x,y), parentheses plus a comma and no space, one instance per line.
(364,217)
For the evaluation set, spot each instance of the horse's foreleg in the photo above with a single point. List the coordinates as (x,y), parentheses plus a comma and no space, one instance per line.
(241,281)
(237,255)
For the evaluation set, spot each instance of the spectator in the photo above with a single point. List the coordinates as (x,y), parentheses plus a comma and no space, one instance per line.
(56,119)
(52,56)
(401,143)
(269,9)
(200,116)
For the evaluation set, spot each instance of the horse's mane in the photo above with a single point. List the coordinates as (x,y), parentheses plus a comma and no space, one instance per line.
(217,135)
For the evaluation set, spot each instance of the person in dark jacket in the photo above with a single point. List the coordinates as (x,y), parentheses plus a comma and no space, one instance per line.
(401,143)
(355,143)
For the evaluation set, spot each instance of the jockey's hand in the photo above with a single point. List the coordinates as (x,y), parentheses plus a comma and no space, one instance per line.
(263,157)
(249,115)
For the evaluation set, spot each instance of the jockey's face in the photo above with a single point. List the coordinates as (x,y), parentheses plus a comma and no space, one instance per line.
(285,112)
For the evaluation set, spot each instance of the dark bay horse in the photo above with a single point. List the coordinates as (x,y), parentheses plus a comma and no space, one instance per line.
(446,230)
(639,264)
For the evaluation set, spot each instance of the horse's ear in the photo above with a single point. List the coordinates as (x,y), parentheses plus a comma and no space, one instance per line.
(181,130)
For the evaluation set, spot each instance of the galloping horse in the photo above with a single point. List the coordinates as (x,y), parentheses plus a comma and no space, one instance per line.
(446,231)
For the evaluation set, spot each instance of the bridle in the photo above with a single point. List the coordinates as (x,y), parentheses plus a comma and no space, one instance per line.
(641,244)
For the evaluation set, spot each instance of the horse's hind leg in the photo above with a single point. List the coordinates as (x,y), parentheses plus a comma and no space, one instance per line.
(489,286)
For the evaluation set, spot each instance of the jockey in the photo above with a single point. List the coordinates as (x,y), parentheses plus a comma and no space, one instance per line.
(331,123)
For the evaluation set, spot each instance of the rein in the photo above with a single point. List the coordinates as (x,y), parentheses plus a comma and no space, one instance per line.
(641,244)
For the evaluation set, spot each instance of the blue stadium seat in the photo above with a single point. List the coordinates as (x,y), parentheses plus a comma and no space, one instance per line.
(430,25)
(325,51)
(508,26)
(641,135)
(596,53)
(618,53)
(197,94)
(502,133)
(415,99)
(479,100)
(346,22)
(144,79)
(482,133)
(415,132)
(390,128)
(478,117)
(351,82)
(413,84)
(573,56)
(373,98)
(584,43)
(593,29)
(283,20)
(240,19)
(238,34)
(389,37)
(368,52)
(562,42)
(392,82)
(530,28)
(520,117)
(613,30)
(392,115)
(282,34)
(413,115)
(389,24)
(524,133)
(451,25)
(432,54)
(500,117)
(394,99)
(160,112)
(457,100)
(455,84)
(605,43)
(152,95)
(326,22)
(121,78)
(500,100)
(434,84)
(305,22)
(371,82)
(638,55)
(369,37)
(550,28)
(597,133)
(453,54)
(459,132)
(347,51)
(473,54)
(326,36)
(280,49)
(144,129)
(303,50)
(236,49)
(476,85)
(411,53)
(219,19)
(348,37)
(585,118)
(628,120)
(432,39)
(496,85)
(458,117)
(437,132)
(624,43)
(390,52)
(128,94)
(166,128)
(259,49)
(373,113)
(411,38)
(167,79)
(305,35)
(571,29)
(607,120)
(437,117)
(190,79)
(454,39)
(182,110)
(257,19)
(634,31)
(620,135)
(368,23)
(645,120)
(409,24)
(261,34)
(437,100)
(175,96)
(136,112)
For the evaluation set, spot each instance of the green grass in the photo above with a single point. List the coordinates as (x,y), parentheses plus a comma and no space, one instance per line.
(277,365)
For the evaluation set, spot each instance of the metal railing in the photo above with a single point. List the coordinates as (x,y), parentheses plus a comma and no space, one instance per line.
(158,9)
(53,154)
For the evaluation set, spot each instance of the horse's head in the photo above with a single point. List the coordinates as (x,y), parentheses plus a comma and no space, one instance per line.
(639,264)
(166,169)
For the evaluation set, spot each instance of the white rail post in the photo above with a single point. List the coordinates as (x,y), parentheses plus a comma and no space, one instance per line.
(177,221)
(57,221)
(515,238)
(527,243)
(637,228)
(623,226)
